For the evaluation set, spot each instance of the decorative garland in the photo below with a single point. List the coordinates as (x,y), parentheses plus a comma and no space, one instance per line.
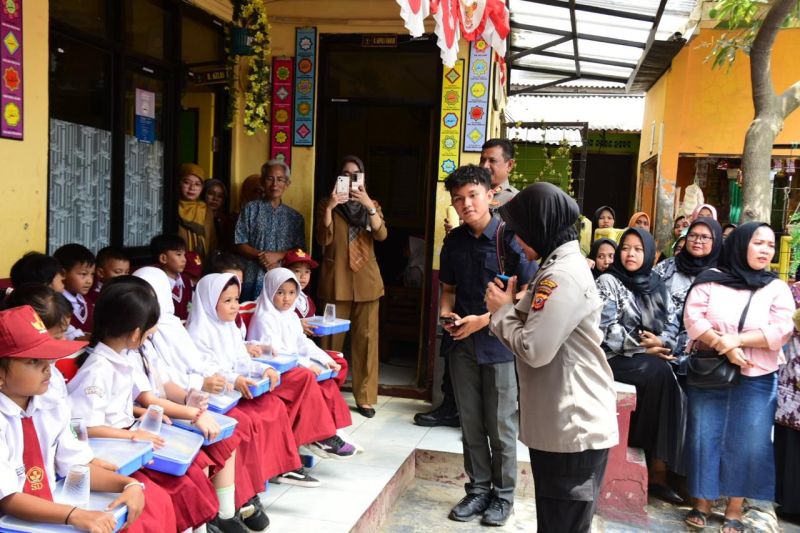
(251,15)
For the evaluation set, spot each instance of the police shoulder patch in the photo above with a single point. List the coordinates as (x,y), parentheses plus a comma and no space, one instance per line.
(544,288)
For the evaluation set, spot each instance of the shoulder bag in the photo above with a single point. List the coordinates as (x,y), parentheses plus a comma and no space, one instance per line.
(709,370)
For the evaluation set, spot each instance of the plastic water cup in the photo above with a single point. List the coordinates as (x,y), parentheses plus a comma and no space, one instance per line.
(151,421)
(197,398)
(79,429)
(329,317)
(77,484)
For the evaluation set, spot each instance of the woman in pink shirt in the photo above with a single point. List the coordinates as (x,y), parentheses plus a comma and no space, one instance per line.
(729,435)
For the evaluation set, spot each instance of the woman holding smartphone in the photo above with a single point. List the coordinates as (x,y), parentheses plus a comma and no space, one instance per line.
(348,224)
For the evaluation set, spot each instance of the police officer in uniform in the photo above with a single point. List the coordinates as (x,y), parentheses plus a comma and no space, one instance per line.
(567,397)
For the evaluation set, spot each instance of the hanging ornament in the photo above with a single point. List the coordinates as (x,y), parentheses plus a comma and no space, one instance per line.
(413,13)
(445,13)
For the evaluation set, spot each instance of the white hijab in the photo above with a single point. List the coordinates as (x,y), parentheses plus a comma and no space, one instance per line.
(282,330)
(218,339)
(172,343)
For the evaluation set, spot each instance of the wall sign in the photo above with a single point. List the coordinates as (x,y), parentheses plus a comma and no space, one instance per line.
(305,69)
(280,142)
(145,116)
(11,90)
(450,133)
(477,114)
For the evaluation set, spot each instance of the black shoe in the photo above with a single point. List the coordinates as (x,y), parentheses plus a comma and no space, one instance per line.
(443,415)
(470,506)
(498,512)
(253,516)
(228,525)
(367,412)
(664,493)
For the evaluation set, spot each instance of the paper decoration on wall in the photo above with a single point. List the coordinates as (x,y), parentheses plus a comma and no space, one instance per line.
(450,132)
(280,142)
(478,83)
(145,116)
(305,68)
(472,19)
(11,75)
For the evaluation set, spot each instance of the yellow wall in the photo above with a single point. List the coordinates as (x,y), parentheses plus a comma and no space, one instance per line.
(708,111)
(23,179)
(204,103)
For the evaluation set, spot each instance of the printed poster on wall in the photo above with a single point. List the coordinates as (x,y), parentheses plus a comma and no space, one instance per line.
(476,118)
(450,136)
(280,146)
(11,96)
(145,116)
(305,68)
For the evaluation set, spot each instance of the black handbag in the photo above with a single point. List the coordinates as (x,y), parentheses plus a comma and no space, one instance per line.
(708,370)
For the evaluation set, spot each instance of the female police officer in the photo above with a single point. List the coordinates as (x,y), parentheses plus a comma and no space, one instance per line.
(567,398)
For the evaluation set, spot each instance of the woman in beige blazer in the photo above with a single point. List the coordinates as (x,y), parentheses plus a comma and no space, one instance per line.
(347,226)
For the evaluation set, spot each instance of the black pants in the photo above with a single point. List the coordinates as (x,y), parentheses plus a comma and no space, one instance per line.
(448,397)
(567,486)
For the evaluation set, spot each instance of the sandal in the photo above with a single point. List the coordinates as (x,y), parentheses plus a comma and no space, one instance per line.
(697,515)
(732,523)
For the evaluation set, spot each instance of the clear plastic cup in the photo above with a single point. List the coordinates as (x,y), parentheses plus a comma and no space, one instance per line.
(151,421)
(197,398)
(77,484)
(329,317)
(79,429)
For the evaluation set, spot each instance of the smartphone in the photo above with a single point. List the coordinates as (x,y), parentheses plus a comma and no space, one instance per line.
(342,184)
(447,320)
(504,279)
(358,181)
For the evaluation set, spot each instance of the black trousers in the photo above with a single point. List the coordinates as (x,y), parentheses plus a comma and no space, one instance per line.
(448,397)
(567,486)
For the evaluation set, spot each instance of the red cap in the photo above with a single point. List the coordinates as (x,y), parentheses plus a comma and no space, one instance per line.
(23,335)
(194,265)
(298,256)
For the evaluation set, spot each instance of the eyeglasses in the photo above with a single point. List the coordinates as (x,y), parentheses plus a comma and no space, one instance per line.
(696,237)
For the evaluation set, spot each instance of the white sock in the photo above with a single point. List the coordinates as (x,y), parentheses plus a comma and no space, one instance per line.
(227,503)
(201,529)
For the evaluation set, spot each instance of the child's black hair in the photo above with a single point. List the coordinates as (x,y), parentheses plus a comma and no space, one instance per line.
(74,254)
(224,261)
(35,267)
(162,244)
(125,303)
(52,307)
(111,253)
(468,175)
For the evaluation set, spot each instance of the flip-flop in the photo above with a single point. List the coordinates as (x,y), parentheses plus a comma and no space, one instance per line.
(732,523)
(694,513)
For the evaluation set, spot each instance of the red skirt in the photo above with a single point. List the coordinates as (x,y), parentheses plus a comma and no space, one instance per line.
(341,377)
(273,433)
(158,513)
(193,496)
(308,413)
(252,456)
(338,408)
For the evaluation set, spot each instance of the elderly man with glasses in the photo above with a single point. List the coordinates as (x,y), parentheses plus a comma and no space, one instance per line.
(268,228)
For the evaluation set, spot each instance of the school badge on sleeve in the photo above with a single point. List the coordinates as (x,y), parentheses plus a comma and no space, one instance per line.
(543,291)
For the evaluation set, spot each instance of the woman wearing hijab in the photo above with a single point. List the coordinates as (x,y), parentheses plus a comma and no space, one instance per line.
(195,220)
(215,193)
(640,220)
(701,252)
(704,210)
(729,445)
(604,217)
(640,329)
(347,227)
(602,256)
(553,331)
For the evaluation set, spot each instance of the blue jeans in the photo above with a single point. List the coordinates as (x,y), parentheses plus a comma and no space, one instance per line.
(729,440)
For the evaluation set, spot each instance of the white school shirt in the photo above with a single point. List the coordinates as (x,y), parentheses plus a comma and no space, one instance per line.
(60,448)
(102,391)
(78,302)
(152,378)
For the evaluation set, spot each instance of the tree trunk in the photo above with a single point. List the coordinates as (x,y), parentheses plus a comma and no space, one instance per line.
(770,110)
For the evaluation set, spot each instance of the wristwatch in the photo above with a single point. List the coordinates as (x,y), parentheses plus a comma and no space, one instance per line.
(372,211)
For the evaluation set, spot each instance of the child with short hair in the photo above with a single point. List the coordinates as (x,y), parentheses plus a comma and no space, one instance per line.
(169,254)
(78,263)
(301,264)
(112,262)
(102,392)
(276,325)
(35,267)
(36,442)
